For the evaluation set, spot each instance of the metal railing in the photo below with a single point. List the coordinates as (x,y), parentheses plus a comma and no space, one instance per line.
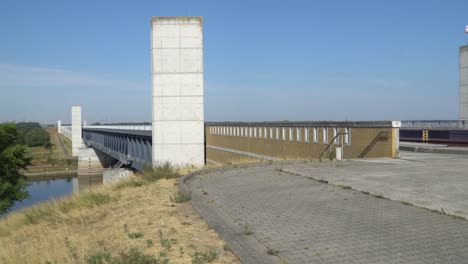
(373,142)
(331,142)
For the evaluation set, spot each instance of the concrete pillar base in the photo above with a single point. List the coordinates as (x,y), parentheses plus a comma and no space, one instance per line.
(92,162)
(113,175)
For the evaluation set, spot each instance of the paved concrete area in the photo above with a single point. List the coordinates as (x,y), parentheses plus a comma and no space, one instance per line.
(300,220)
(433,148)
(435,181)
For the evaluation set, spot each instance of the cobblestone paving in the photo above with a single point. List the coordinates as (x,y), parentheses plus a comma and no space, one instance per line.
(312,222)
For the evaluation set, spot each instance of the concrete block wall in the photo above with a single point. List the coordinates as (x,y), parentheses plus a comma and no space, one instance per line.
(246,142)
(463,92)
(77,141)
(177,80)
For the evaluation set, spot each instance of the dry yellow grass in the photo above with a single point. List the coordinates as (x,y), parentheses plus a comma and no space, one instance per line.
(72,229)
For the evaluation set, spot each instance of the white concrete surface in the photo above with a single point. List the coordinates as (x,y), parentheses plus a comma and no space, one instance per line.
(114,175)
(434,181)
(59,127)
(89,162)
(77,141)
(177,79)
(463,109)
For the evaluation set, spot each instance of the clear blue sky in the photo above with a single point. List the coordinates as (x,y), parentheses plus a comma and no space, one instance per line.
(264,60)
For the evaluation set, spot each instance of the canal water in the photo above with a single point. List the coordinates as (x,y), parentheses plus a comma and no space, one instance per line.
(46,188)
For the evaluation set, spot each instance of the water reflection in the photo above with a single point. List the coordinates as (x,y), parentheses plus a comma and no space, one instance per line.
(45,188)
(86,182)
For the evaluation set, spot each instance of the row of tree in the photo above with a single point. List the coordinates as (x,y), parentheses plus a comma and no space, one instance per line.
(33,134)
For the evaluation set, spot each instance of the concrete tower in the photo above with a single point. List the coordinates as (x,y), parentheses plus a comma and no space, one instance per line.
(177,79)
(59,127)
(463,109)
(77,141)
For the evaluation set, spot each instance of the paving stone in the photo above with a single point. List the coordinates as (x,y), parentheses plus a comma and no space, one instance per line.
(312,222)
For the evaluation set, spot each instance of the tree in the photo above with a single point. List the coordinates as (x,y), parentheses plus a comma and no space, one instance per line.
(14,156)
(33,134)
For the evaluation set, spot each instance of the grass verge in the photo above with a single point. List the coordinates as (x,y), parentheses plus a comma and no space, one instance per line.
(133,221)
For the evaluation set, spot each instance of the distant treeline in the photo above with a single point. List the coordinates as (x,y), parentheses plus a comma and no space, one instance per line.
(33,134)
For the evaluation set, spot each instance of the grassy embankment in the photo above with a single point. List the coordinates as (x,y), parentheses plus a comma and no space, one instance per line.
(143,219)
(56,159)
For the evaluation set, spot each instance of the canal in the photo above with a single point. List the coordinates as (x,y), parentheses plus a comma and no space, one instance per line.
(46,188)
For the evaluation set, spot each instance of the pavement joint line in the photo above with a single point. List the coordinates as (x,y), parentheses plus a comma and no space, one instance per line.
(379,196)
(234,235)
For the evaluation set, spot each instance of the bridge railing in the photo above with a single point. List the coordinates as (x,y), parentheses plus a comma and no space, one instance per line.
(458,124)
(123,127)
(66,131)
(130,145)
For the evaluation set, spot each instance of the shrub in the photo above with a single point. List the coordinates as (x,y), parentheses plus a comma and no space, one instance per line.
(180,197)
(134,256)
(203,257)
(99,257)
(135,235)
(34,135)
(166,242)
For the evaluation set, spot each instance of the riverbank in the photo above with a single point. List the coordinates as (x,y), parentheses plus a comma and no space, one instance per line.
(139,217)
(56,160)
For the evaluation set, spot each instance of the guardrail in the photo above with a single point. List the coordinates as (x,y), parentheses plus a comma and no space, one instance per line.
(460,124)
(123,127)
(66,131)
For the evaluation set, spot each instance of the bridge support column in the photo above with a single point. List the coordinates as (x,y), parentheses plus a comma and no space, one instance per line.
(463,93)
(177,75)
(77,141)
(92,162)
(59,127)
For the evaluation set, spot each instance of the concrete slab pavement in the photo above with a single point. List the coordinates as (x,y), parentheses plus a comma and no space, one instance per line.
(268,215)
(434,181)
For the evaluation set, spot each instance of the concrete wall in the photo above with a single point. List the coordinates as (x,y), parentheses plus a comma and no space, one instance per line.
(463,109)
(77,141)
(177,79)
(244,142)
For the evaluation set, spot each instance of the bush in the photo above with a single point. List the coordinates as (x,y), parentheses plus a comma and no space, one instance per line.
(33,135)
(13,157)
(180,197)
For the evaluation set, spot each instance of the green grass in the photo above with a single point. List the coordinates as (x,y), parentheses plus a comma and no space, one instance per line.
(204,257)
(148,175)
(165,171)
(135,235)
(130,182)
(133,256)
(166,242)
(54,211)
(180,197)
